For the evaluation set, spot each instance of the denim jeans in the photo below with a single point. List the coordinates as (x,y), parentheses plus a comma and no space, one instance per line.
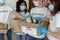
(9,35)
(21,37)
(1,36)
(33,38)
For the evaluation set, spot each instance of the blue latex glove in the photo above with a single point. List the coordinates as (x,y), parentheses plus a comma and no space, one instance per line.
(38,18)
(42,30)
(26,17)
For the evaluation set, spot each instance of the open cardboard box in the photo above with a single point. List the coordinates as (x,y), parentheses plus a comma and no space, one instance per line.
(19,26)
(3,28)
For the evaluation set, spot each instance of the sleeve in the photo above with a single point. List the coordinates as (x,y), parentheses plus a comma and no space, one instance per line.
(57,20)
(10,8)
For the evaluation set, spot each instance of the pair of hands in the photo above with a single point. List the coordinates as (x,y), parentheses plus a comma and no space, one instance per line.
(38,18)
(41,18)
(26,17)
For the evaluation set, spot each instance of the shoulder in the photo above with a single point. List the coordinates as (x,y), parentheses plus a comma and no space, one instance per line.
(45,8)
(8,7)
(58,14)
(5,5)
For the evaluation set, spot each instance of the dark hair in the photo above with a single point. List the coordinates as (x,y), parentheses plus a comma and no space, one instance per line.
(18,6)
(56,6)
(59,6)
(51,1)
(20,0)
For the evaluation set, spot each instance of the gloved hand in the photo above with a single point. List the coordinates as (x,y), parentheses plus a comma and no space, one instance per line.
(42,30)
(26,17)
(38,18)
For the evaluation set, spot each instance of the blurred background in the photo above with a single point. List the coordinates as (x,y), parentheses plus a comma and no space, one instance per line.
(12,3)
(30,5)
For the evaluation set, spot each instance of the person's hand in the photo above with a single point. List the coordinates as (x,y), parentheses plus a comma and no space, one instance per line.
(42,30)
(43,23)
(44,18)
(26,17)
(38,18)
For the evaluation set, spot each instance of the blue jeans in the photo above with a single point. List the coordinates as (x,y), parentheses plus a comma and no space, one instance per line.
(33,38)
(1,36)
(9,35)
(21,37)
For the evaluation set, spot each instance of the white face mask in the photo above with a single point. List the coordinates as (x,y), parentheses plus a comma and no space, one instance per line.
(36,3)
(51,7)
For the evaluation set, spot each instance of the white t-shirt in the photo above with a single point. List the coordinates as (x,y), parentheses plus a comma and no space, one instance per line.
(5,15)
(54,24)
(40,12)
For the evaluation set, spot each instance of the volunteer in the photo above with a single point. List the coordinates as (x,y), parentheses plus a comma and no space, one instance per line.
(5,12)
(53,32)
(54,26)
(38,13)
(22,9)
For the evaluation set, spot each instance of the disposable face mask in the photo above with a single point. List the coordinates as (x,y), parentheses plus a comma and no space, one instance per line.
(22,8)
(36,4)
(51,7)
(2,1)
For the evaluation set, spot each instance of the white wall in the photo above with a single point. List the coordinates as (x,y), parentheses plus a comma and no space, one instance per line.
(27,3)
(12,3)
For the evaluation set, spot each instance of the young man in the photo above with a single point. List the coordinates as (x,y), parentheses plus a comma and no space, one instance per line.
(5,12)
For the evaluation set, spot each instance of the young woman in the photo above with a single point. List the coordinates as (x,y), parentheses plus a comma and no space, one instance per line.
(21,8)
(54,26)
(38,13)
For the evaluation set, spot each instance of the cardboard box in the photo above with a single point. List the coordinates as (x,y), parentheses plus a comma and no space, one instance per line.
(3,28)
(16,26)
(19,26)
(30,31)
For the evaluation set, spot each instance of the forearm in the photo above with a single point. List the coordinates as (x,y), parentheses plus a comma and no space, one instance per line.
(57,35)
(46,19)
(18,15)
